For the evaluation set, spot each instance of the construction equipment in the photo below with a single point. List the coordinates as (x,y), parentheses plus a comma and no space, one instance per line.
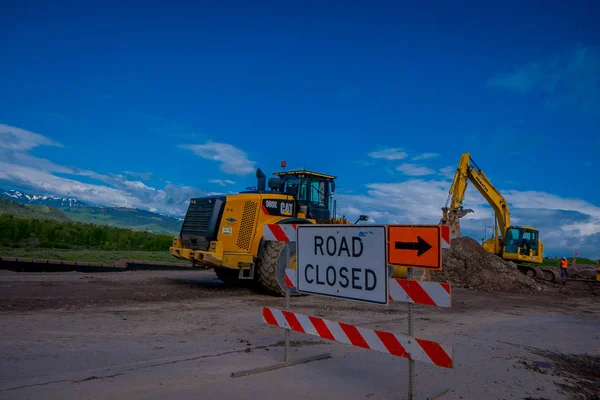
(226,232)
(519,244)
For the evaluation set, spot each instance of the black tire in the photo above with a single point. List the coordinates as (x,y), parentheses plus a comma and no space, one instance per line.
(266,268)
(227,275)
(270,268)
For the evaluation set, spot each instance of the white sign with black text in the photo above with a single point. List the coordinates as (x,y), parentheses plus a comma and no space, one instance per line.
(345,261)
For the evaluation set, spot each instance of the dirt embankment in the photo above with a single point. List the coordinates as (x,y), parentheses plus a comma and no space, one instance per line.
(466,264)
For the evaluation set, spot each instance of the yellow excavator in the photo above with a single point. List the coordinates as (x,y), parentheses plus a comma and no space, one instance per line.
(519,244)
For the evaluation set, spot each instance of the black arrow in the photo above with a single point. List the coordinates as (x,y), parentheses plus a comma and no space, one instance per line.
(420,245)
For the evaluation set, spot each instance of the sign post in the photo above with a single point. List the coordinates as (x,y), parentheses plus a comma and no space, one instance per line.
(416,246)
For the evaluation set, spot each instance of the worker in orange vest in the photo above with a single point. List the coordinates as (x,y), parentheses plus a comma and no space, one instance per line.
(564,265)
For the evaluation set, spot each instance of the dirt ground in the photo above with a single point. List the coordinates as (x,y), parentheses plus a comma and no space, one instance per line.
(174,334)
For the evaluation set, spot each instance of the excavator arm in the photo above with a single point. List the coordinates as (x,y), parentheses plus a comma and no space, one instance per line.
(452,212)
(516,243)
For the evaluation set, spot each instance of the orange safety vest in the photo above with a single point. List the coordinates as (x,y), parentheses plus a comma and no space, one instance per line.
(564,264)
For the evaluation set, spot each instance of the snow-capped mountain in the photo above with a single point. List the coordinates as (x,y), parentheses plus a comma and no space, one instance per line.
(75,210)
(59,202)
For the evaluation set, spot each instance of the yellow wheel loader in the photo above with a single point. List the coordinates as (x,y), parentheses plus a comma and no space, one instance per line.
(226,232)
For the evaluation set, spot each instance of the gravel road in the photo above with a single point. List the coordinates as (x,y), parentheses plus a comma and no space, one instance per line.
(173,334)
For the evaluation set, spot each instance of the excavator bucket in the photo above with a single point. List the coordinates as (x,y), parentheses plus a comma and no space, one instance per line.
(453,221)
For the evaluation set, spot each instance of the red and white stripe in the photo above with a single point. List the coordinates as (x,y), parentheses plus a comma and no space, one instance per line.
(445,236)
(385,342)
(280,232)
(291,277)
(427,293)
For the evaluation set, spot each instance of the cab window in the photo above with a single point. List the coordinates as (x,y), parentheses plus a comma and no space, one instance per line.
(512,236)
(512,241)
(317,193)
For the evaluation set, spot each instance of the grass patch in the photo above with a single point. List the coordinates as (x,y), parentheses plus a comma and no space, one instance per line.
(580,261)
(91,255)
(11,207)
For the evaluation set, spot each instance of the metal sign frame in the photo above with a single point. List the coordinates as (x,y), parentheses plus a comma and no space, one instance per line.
(400,292)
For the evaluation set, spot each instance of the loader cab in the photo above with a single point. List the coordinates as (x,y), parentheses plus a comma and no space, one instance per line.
(313,191)
(522,241)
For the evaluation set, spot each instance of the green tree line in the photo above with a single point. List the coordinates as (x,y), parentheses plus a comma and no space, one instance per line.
(19,232)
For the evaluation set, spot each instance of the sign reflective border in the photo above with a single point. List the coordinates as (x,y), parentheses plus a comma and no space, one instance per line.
(345,261)
(416,246)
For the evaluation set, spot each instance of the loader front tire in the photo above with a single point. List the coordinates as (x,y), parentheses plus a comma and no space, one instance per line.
(271,266)
(227,275)
(267,268)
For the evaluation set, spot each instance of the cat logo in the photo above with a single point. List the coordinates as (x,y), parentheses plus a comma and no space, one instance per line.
(283,208)
(286,208)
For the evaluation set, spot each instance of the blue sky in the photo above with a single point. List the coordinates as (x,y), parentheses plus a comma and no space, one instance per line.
(148,106)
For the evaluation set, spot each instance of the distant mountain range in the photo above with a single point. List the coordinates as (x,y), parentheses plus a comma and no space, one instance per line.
(41,200)
(28,205)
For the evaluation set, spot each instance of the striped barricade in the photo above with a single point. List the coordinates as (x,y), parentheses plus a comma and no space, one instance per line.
(445,236)
(403,290)
(280,233)
(395,344)
(426,293)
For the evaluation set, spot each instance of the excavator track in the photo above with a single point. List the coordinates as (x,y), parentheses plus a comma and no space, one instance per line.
(544,273)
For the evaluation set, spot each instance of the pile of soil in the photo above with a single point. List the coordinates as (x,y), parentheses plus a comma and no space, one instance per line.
(466,264)
(583,272)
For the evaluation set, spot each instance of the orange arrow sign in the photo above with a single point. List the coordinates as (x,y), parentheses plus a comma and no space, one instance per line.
(417,246)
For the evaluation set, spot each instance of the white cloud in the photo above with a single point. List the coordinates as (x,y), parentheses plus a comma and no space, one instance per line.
(222,182)
(233,160)
(389,154)
(414,169)
(145,176)
(541,200)
(49,183)
(19,139)
(172,199)
(565,225)
(39,174)
(425,156)
(447,172)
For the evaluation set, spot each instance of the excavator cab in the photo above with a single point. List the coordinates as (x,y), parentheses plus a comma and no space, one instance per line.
(522,244)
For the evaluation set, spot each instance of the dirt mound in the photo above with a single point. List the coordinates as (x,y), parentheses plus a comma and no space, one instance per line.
(466,264)
(583,272)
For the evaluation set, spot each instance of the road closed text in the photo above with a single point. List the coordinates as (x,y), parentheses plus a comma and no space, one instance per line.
(355,278)
(342,261)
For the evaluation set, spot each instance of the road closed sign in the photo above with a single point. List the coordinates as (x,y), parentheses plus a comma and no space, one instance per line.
(345,261)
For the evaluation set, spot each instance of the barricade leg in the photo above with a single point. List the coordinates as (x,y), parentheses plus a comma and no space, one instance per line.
(411,363)
(286,355)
